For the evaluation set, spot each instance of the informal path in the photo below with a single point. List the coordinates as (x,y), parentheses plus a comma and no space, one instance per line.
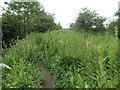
(48,81)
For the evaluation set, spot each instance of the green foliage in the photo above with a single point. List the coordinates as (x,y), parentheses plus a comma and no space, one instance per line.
(116,32)
(22,18)
(80,60)
(89,20)
(76,60)
(118,22)
(58,26)
(23,75)
(111,27)
(22,58)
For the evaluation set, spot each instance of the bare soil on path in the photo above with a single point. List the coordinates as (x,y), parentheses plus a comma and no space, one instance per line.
(48,81)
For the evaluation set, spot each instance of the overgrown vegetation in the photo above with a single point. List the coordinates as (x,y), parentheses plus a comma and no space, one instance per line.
(21,18)
(81,60)
(22,59)
(77,60)
(89,21)
(86,56)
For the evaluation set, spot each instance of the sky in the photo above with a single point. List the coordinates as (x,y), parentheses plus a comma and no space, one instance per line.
(66,11)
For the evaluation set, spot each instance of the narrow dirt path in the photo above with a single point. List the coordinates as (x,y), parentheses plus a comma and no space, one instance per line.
(48,81)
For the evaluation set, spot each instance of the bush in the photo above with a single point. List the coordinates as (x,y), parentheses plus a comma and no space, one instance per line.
(22,58)
(76,60)
(75,64)
(89,21)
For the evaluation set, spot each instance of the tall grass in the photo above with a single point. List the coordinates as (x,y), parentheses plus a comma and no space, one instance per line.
(76,60)
(75,65)
(24,72)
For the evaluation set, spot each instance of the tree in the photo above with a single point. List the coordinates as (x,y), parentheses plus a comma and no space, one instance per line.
(22,18)
(119,19)
(116,23)
(111,27)
(22,12)
(89,21)
(58,26)
(71,25)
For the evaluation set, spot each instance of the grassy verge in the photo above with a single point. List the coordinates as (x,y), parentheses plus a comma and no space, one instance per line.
(81,60)
(24,72)
(77,60)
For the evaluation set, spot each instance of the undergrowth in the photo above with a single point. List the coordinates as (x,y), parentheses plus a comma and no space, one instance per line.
(81,60)
(22,59)
(76,60)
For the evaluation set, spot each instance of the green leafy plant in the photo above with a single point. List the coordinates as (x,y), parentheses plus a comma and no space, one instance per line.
(24,72)
(67,54)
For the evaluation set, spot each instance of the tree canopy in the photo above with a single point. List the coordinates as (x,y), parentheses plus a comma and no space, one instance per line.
(22,18)
(89,20)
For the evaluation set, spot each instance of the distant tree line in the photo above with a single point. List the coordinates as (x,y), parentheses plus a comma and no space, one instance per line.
(115,23)
(90,21)
(21,18)
(119,20)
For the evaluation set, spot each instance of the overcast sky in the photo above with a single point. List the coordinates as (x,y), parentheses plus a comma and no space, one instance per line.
(66,11)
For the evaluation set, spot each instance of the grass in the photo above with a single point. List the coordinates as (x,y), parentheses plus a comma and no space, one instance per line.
(75,65)
(24,72)
(76,60)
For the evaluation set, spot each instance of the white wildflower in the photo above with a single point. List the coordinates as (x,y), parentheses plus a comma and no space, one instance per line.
(4,65)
